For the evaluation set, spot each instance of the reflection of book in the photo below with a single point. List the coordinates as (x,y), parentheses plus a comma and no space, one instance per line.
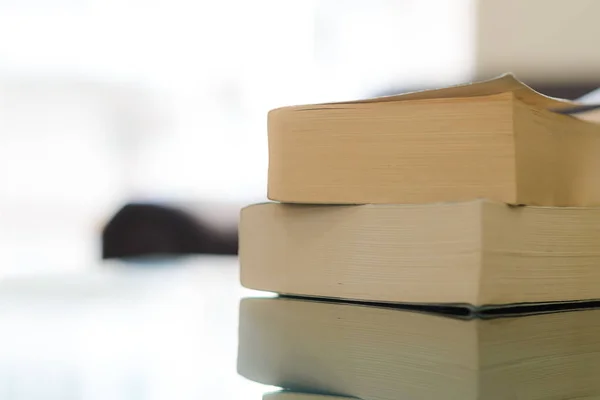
(383,353)
(287,395)
(497,139)
(476,252)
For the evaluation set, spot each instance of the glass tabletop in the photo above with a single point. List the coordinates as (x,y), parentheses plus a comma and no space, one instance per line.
(165,329)
(183,328)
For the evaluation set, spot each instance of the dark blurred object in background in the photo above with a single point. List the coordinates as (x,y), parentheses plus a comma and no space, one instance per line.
(565,90)
(142,229)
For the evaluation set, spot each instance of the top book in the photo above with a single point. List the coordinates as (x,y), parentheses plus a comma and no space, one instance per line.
(497,139)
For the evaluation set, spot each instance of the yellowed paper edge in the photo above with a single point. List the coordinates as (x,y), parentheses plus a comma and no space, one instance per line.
(502,84)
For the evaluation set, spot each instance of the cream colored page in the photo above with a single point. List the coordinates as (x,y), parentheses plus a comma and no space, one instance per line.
(502,84)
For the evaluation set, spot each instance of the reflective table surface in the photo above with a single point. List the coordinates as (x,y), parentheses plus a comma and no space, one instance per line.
(168,329)
(152,330)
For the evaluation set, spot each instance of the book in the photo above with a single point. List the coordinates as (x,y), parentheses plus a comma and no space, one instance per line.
(384,353)
(289,395)
(587,112)
(477,252)
(495,139)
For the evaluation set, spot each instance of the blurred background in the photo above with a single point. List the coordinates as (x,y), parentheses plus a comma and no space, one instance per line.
(108,102)
(105,103)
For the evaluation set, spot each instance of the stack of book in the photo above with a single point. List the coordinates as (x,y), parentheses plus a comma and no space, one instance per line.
(437,244)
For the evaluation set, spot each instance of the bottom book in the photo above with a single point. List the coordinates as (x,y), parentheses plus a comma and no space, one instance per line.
(288,395)
(387,353)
